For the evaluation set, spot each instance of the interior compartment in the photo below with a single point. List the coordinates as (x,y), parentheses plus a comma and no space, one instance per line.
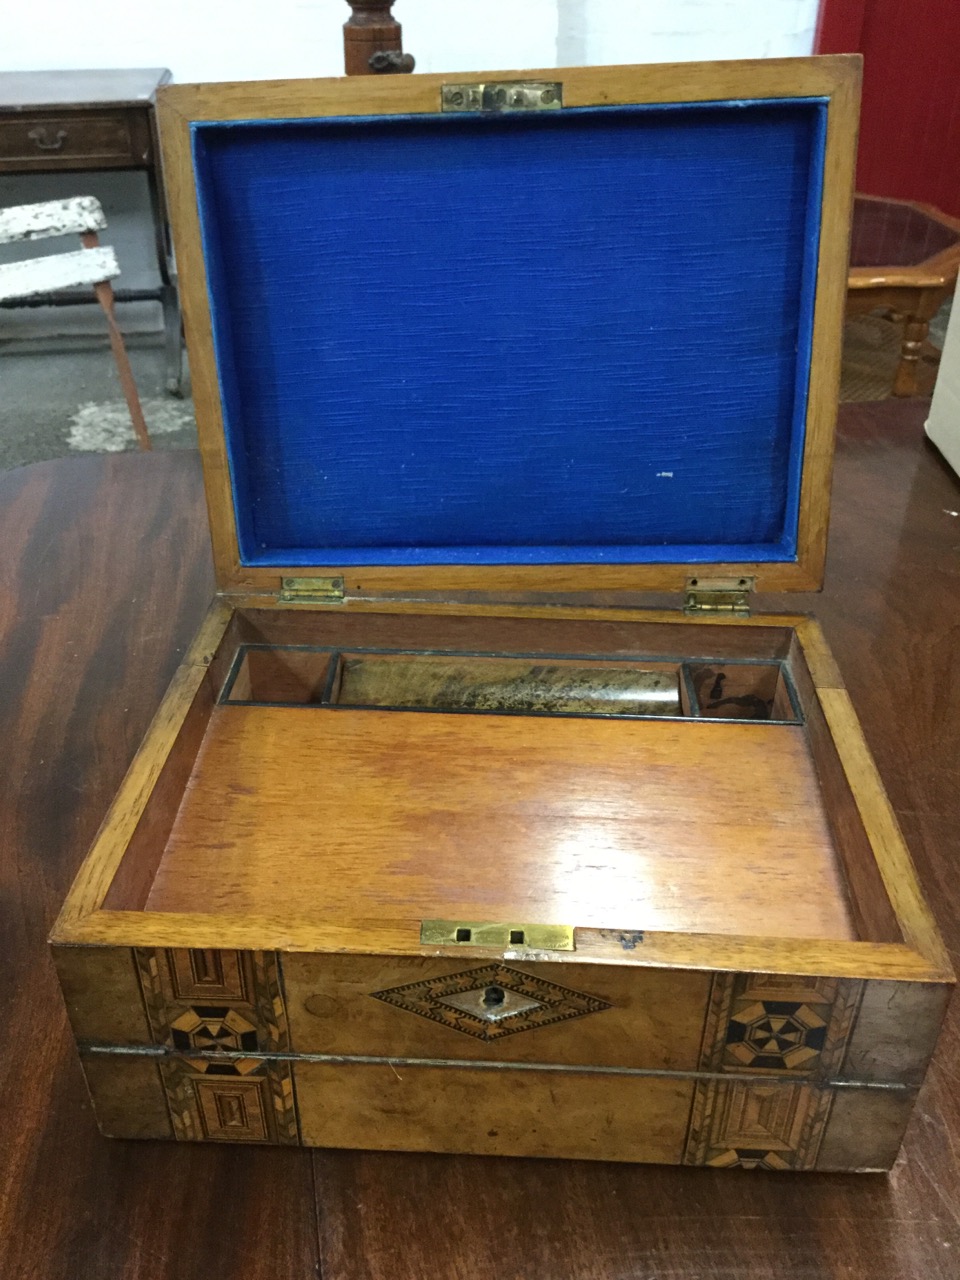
(265,674)
(510,684)
(742,691)
(309,799)
(452,683)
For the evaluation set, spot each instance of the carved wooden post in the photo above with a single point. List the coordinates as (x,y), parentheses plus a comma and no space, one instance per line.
(372,40)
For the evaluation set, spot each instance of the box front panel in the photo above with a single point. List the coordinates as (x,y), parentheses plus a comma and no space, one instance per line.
(208,1001)
(779,1125)
(499,1057)
(496,1011)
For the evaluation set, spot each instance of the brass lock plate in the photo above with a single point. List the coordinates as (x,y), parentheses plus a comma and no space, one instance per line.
(504,937)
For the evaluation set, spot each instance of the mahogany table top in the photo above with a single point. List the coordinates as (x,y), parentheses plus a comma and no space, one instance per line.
(105,575)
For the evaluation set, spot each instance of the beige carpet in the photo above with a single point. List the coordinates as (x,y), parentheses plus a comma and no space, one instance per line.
(871,349)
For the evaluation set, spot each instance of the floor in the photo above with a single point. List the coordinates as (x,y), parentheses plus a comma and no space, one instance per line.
(62,396)
(59,398)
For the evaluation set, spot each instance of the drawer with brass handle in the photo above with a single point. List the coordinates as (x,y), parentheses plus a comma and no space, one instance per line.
(37,141)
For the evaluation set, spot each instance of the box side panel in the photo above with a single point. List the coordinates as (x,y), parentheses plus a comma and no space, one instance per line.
(865,1129)
(895,1032)
(101,990)
(128,1096)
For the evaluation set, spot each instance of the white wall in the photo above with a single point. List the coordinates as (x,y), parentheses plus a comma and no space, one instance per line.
(250,39)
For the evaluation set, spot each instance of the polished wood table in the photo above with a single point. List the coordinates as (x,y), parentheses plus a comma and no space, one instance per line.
(104,576)
(86,121)
(904,257)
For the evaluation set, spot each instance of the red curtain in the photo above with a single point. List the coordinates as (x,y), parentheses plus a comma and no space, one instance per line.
(910,121)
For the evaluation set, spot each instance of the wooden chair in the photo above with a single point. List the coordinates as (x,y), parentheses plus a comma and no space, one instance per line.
(94,265)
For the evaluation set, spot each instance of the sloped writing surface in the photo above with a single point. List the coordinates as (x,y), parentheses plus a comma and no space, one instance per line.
(582,336)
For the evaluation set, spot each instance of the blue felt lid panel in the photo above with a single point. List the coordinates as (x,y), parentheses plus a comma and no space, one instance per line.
(561,338)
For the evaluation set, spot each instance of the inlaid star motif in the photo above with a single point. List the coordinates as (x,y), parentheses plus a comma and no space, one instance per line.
(775,1035)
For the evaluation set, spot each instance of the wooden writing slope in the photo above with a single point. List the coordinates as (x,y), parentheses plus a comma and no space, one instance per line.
(440,841)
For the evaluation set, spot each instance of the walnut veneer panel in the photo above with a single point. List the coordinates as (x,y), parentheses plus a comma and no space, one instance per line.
(598,1015)
(668,825)
(779,1125)
(128,1096)
(483,1112)
(102,994)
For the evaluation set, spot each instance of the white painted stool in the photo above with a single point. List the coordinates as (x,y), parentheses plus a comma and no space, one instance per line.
(94,265)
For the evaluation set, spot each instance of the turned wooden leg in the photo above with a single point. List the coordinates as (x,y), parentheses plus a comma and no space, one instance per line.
(372,40)
(915,332)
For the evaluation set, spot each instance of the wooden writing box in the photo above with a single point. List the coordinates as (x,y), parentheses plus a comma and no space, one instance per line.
(439,841)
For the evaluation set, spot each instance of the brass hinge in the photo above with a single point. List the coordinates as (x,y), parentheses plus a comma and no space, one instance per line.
(718,595)
(505,937)
(311,591)
(503,95)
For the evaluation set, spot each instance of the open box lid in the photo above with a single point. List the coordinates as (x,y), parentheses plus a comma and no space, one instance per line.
(567,330)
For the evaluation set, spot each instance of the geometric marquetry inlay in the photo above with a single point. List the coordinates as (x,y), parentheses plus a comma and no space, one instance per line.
(210,1007)
(491,1001)
(764,1024)
(214,1027)
(776,1034)
(749,1124)
(790,1035)
(233,1110)
(240,1100)
(213,1001)
(206,974)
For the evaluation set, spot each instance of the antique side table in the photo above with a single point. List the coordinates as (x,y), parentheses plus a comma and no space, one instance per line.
(903,256)
(84,121)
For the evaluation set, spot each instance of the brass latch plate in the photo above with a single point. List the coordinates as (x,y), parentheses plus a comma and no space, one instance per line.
(718,595)
(504,937)
(503,95)
(311,590)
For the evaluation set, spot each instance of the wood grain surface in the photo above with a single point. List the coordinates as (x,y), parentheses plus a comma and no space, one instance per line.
(650,1021)
(617,824)
(104,580)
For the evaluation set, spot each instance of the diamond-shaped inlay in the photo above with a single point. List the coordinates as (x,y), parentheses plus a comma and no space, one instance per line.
(491,1002)
(784,1034)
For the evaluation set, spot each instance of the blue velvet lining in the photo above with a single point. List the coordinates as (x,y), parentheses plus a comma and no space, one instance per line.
(572,337)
